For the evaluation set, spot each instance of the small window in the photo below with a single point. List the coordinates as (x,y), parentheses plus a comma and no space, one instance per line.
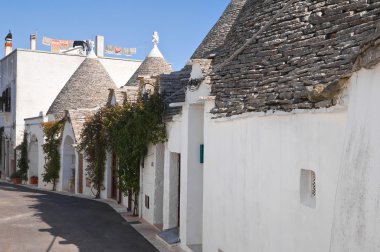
(308,188)
(147,201)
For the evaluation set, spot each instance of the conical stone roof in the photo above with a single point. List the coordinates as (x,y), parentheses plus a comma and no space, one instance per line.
(302,58)
(154,64)
(217,35)
(88,87)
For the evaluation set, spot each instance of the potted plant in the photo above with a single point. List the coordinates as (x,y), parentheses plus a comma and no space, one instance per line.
(33,180)
(17,177)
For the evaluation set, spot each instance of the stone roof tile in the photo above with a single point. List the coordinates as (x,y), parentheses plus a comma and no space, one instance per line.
(88,87)
(216,36)
(299,61)
(151,66)
(77,118)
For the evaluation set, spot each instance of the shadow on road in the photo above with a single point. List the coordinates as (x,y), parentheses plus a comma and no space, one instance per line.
(87,224)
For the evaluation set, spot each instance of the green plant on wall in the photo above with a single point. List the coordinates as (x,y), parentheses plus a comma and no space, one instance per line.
(131,127)
(52,132)
(22,162)
(94,144)
(126,130)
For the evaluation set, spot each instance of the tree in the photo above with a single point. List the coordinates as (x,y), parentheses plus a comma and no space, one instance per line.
(52,131)
(94,144)
(23,162)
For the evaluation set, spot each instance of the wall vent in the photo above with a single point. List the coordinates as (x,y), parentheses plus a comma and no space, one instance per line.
(313,185)
(308,188)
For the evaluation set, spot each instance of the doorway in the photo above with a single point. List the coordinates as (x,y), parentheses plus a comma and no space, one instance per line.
(113,177)
(179,190)
(80,184)
(68,167)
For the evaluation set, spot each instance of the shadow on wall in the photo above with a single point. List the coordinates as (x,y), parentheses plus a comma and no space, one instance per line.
(87,224)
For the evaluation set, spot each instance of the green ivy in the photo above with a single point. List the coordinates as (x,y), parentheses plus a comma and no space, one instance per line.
(52,132)
(126,130)
(94,144)
(131,127)
(22,162)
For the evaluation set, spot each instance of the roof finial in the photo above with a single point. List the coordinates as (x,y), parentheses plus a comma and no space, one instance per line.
(155,53)
(156,38)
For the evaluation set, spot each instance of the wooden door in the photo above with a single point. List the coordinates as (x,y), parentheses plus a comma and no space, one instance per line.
(114,178)
(179,188)
(80,173)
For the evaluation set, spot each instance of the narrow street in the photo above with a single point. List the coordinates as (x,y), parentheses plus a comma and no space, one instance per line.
(35,221)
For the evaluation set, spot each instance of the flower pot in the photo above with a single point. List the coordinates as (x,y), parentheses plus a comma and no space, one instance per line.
(16,181)
(33,180)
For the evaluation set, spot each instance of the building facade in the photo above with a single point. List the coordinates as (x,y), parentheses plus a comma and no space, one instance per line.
(30,81)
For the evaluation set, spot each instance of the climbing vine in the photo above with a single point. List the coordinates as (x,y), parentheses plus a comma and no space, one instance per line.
(22,162)
(126,130)
(52,132)
(94,144)
(131,128)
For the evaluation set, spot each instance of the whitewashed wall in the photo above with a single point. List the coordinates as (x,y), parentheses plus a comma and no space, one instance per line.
(171,174)
(252,181)
(40,77)
(68,158)
(356,224)
(252,177)
(34,127)
(147,178)
(152,175)
(120,70)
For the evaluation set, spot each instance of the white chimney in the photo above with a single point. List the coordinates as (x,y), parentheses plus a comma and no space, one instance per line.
(99,46)
(33,42)
(8,44)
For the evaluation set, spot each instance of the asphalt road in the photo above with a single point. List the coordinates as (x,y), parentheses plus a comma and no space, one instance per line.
(35,221)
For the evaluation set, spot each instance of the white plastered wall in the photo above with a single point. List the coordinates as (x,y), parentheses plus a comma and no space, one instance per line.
(171,173)
(34,128)
(38,86)
(252,177)
(356,224)
(152,175)
(252,180)
(68,158)
(120,70)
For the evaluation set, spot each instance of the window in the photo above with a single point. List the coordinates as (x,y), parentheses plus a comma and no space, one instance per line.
(308,188)
(6,100)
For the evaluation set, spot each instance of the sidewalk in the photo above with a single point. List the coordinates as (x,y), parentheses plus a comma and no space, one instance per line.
(141,226)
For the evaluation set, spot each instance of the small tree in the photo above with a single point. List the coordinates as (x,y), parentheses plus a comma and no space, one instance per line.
(52,131)
(22,162)
(94,144)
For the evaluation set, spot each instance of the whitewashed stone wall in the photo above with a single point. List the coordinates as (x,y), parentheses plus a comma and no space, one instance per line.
(252,172)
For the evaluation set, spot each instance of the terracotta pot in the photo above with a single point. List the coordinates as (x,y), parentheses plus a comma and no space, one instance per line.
(16,181)
(33,180)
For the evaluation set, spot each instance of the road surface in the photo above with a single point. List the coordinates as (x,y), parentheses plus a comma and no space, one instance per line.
(35,221)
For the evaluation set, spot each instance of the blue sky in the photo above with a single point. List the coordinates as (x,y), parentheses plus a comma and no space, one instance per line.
(181,24)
